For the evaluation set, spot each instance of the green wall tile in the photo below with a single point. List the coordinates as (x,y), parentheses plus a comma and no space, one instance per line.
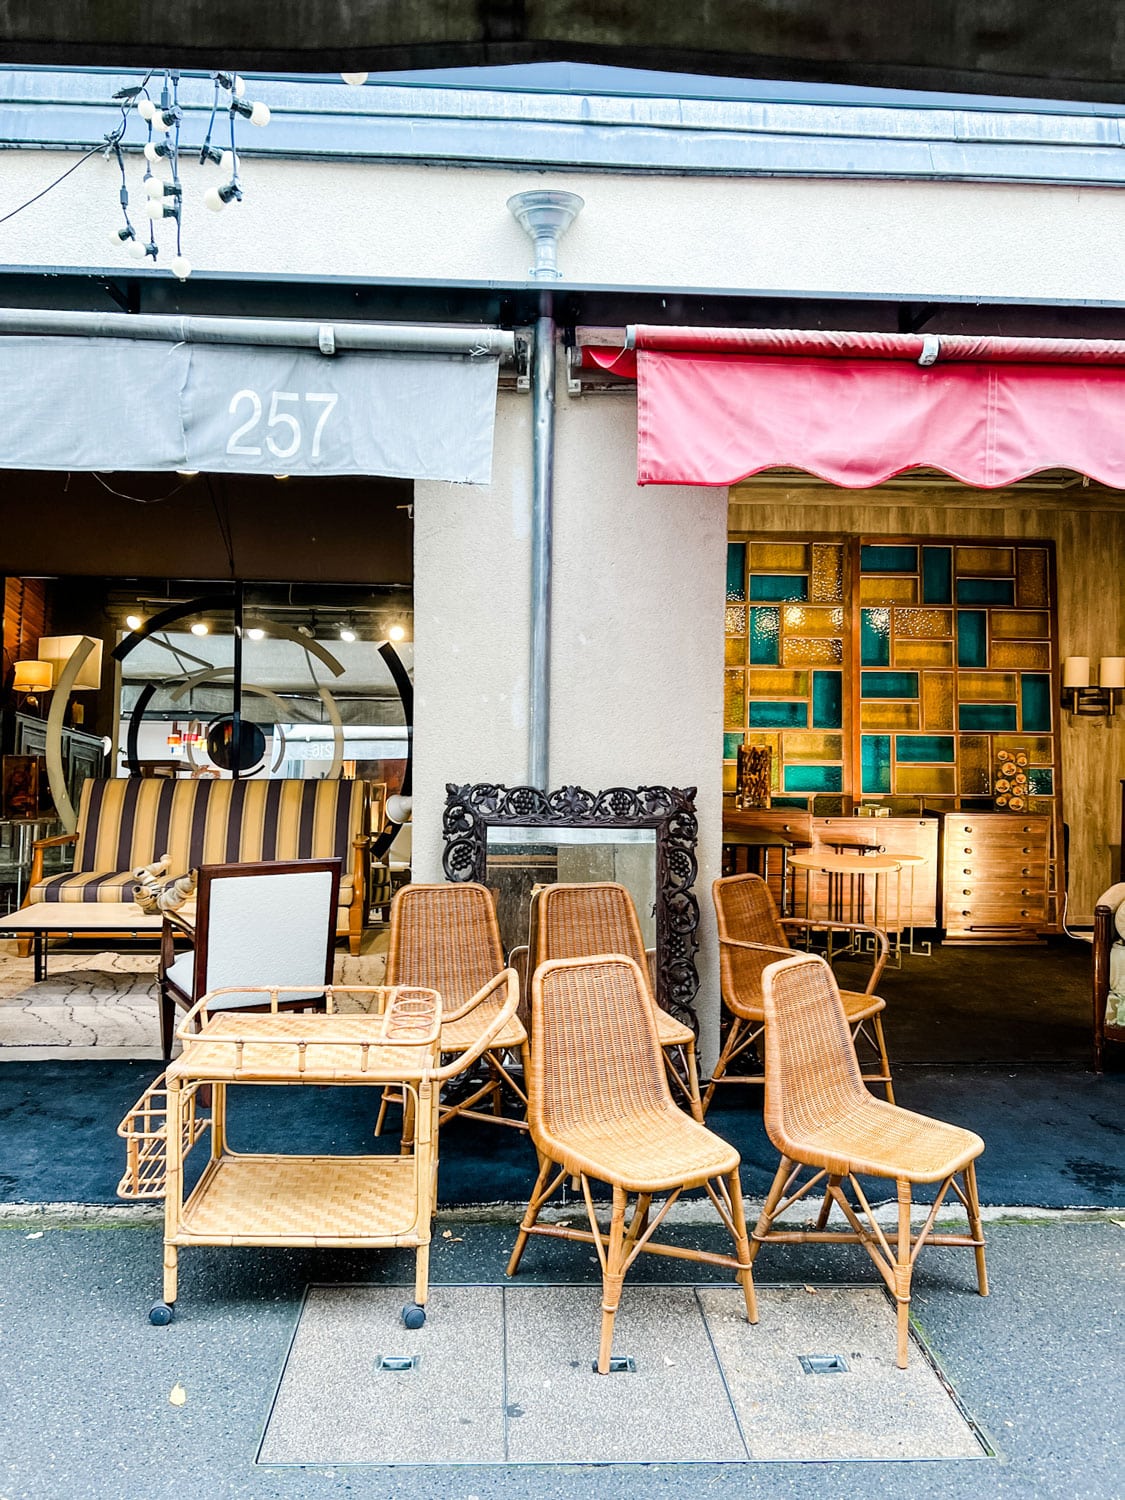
(827,700)
(972,638)
(765,635)
(889,684)
(876,762)
(1035,702)
(924,747)
(736,570)
(937,575)
(777,586)
(987,718)
(814,778)
(875,637)
(877,559)
(731,743)
(773,715)
(986,591)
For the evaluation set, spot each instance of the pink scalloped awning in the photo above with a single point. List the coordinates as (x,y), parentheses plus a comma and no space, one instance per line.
(717,405)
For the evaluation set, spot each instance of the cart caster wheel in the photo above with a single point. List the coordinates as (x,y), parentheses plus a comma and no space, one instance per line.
(413,1316)
(161,1313)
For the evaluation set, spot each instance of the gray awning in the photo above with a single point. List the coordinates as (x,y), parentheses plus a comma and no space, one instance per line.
(169,400)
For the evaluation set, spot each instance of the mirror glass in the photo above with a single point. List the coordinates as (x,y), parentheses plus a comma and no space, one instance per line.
(519,858)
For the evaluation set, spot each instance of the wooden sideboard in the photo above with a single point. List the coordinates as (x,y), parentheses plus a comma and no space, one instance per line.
(997,877)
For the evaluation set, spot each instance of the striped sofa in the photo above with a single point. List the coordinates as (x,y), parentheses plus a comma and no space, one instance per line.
(125,823)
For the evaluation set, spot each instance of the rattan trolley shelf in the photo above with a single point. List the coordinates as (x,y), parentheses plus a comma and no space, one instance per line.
(356,1202)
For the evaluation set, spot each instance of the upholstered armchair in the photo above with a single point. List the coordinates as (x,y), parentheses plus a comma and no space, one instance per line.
(1109,971)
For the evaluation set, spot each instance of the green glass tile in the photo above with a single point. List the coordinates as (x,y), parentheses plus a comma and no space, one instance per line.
(1041,781)
(767,715)
(736,570)
(987,718)
(827,700)
(814,778)
(986,591)
(876,559)
(889,684)
(765,633)
(937,575)
(1035,702)
(777,586)
(731,743)
(875,637)
(972,638)
(923,747)
(876,762)
(790,802)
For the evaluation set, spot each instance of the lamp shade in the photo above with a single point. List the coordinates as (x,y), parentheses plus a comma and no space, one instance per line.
(1111,672)
(58,649)
(32,677)
(1076,672)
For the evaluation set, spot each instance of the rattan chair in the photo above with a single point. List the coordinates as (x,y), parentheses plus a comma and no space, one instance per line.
(751,936)
(819,1116)
(450,934)
(583,920)
(601,1109)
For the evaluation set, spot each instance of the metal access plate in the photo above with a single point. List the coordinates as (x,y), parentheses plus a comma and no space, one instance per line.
(504,1376)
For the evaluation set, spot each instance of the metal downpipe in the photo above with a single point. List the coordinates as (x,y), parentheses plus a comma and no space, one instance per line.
(542,497)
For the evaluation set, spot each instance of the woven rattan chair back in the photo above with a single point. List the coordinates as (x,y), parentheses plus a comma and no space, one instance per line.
(812,1075)
(746,913)
(449,933)
(580,921)
(595,1056)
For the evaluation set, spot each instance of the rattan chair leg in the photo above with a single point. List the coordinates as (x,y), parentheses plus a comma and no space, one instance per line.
(612,1278)
(773,1198)
(737,1027)
(745,1273)
(535,1203)
(881,1043)
(826,1206)
(422,1274)
(695,1103)
(904,1265)
(384,1101)
(976,1227)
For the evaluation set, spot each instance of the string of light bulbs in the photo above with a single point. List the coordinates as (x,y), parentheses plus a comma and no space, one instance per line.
(164,196)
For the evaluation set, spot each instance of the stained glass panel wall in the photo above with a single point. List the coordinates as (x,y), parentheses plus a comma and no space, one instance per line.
(887,669)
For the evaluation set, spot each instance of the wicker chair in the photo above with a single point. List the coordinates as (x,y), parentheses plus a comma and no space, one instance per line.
(450,934)
(751,936)
(581,921)
(601,1108)
(819,1115)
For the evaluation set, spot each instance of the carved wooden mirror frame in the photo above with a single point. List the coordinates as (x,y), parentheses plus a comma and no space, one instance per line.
(471,810)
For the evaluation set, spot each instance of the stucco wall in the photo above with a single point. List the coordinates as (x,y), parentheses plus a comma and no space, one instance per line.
(374,219)
(636,660)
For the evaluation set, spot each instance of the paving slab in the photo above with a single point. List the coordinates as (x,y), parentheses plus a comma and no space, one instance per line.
(871,1410)
(334,1407)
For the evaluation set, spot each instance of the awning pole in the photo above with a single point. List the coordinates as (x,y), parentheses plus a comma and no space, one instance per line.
(542,496)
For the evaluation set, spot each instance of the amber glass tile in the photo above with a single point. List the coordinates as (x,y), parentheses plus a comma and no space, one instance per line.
(941,780)
(1040,805)
(798,651)
(734,700)
(920,624)
(989,562)
(1020,624)
(730,776)
(987,687)
(736,619)
(923,653)
(778,557)
(1039,748)
(766,682)
(974,768)
(826,583)
(876,590)
(1031,578)
(1022,655)
(804,745)
(801,619)
(735,649)
(889,716)
(937,700)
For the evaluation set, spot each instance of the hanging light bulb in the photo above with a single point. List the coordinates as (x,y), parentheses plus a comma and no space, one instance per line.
(217,198)
(154,186)
(347,634)
(357,80)
(188,473)
(136,249)
(157,123)
(238,87)
(157,151)
(117,237)
(154,208)
(257,113)
(226,163)
(180,267)
(146,109)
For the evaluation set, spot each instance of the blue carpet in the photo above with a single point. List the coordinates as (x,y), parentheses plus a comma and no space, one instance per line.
(1055,1136)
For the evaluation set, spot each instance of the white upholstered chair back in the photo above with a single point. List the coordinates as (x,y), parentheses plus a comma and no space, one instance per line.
(267,929)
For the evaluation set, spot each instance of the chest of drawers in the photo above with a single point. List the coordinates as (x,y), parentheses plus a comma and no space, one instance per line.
(996,877)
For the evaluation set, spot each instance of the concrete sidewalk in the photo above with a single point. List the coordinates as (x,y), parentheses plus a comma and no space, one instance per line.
(85,1380)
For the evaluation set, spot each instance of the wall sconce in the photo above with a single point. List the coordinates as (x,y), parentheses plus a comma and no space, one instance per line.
(56,650)
(1079,697)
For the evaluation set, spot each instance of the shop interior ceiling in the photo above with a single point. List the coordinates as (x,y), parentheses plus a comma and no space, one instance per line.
(338,530)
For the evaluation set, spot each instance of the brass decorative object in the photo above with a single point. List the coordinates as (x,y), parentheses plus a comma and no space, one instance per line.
(753,783)
(1010,784)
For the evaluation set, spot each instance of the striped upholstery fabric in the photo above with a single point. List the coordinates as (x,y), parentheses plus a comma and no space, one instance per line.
(124,823)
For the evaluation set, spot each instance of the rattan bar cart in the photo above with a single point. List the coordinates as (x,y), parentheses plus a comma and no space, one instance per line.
(339,1202)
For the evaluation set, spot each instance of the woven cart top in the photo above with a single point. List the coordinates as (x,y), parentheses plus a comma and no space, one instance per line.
(398,1043)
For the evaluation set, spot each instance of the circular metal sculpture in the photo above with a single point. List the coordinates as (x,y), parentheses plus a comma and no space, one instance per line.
(220,744)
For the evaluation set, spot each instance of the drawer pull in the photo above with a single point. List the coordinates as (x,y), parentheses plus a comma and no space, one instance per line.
(966,851)
(1025,891)
(966,893)
(1025,914)
(966,913)
(968,828)
(1026,870)
(1027,828)
(1025,851)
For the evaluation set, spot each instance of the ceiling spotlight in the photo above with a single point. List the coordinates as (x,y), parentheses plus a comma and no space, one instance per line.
(188,473)
(200,627)
(347,634)
(134,622)
(396,633)
(357,80)
(256,633)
